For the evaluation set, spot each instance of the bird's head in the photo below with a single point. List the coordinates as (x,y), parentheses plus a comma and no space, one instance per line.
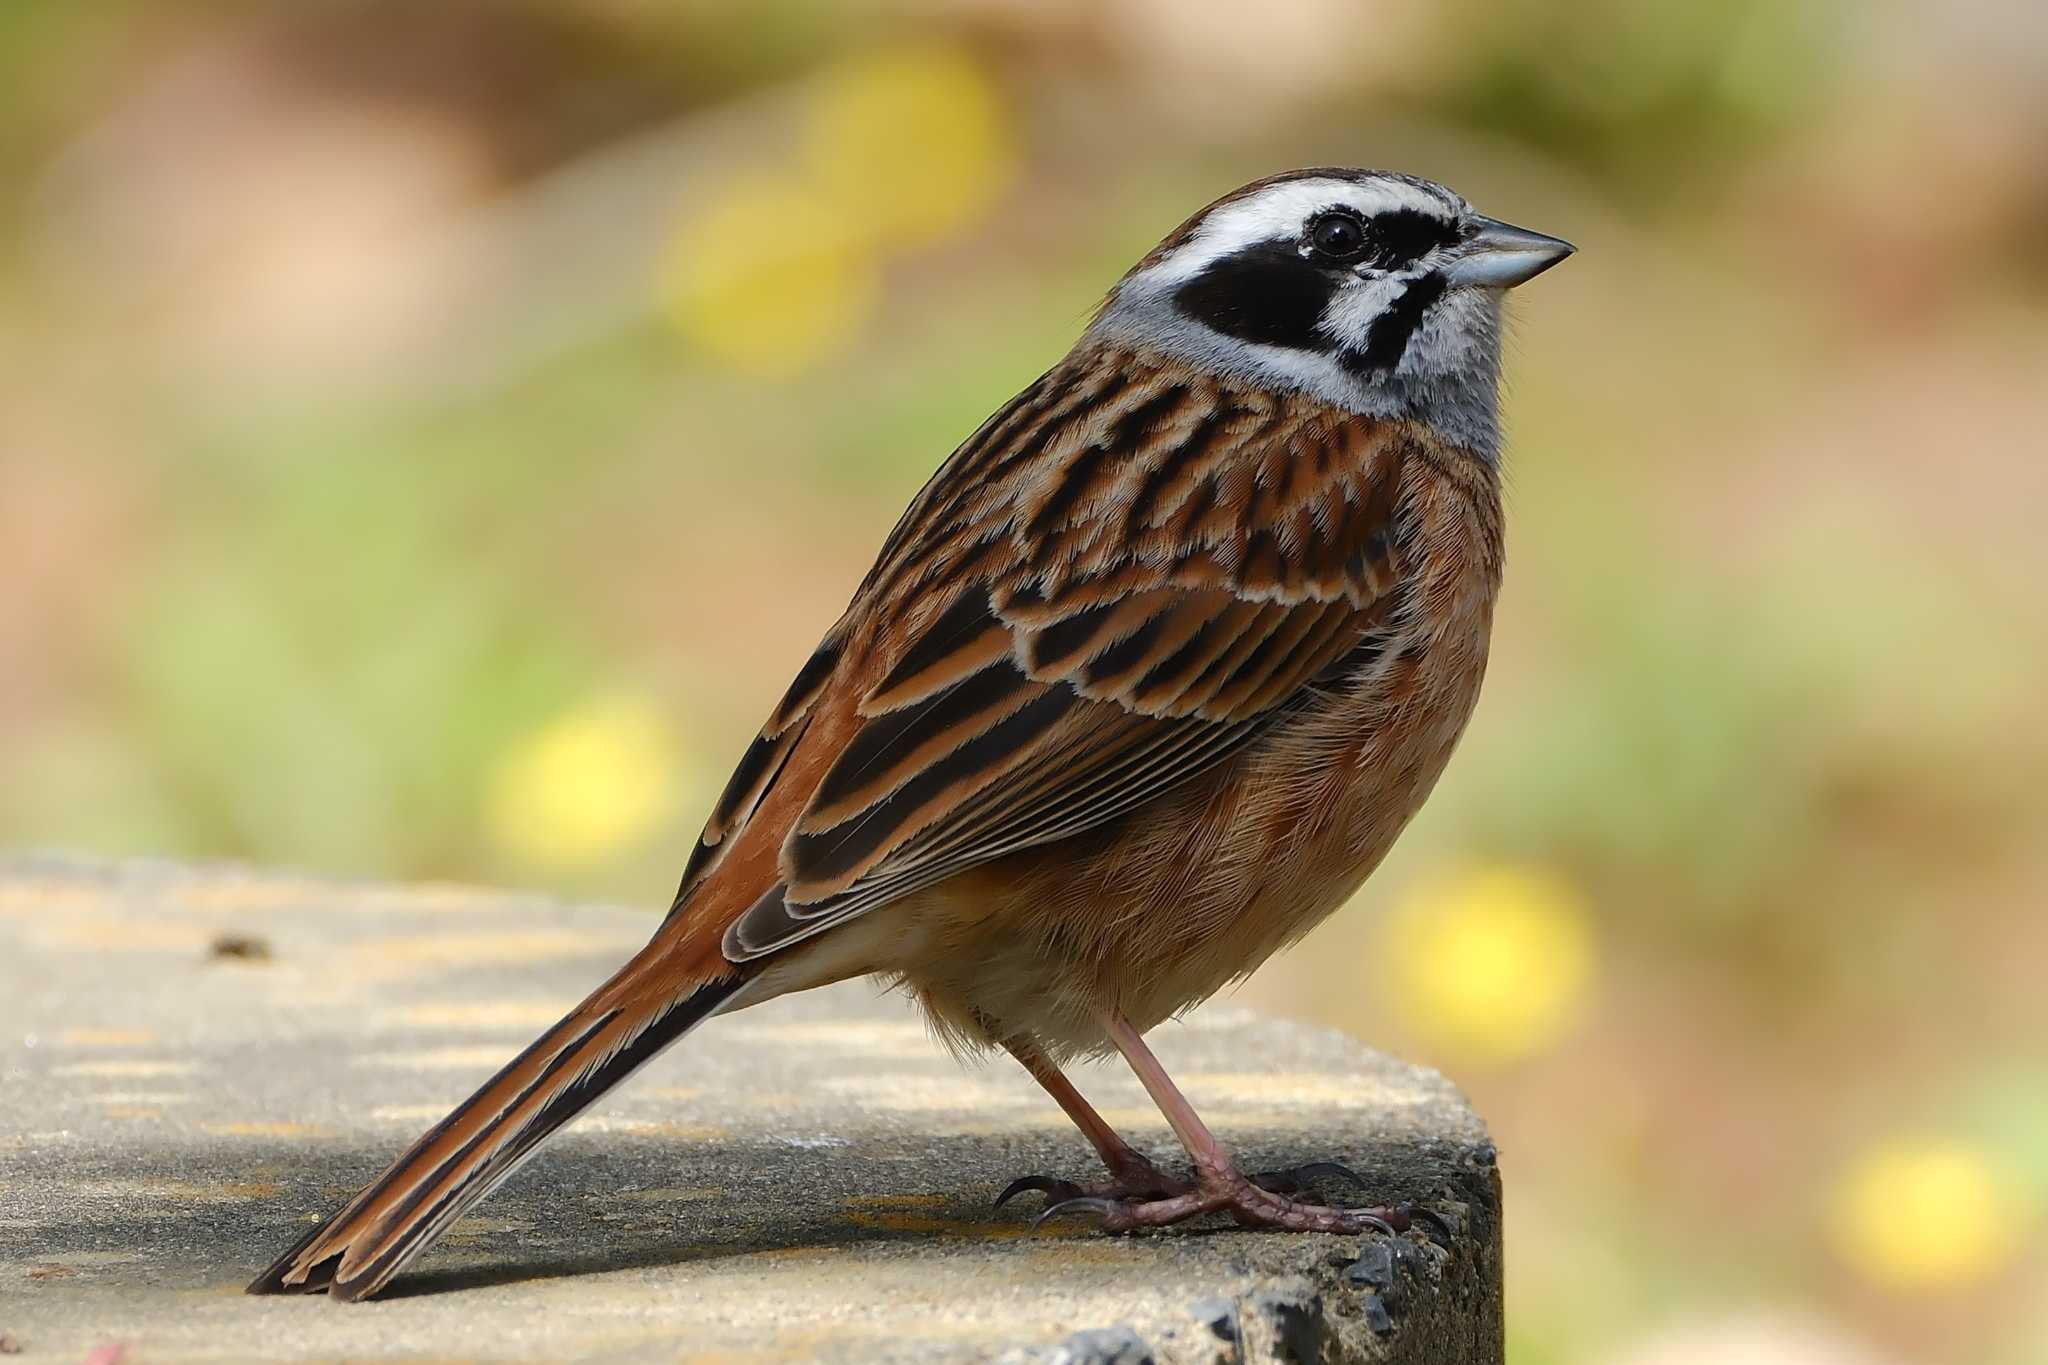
(1376,291)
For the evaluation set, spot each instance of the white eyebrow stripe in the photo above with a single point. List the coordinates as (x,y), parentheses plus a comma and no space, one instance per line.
(1279,211)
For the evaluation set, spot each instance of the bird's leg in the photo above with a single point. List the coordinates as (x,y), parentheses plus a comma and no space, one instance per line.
(1218,1185)
(1131,1174)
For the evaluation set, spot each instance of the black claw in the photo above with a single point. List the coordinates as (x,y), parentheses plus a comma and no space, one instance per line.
(1051,1187)
(1087,1203)
(1395,1219)
(1329,1170)
(1437,1224)
(1373,1219)
(1298,1178)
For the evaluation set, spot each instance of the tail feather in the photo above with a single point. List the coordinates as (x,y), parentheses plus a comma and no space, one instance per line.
(468,1154)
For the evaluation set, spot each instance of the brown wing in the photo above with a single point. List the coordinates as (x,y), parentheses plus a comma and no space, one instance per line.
(1119,581)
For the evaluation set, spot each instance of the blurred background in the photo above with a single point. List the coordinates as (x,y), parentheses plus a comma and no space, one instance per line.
(431,435)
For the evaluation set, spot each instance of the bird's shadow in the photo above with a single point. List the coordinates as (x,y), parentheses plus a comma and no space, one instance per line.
(819,1199)
(598,1203)
(799,1233)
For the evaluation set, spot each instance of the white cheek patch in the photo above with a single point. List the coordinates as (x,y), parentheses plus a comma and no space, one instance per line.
(1278,212)
(1349,318)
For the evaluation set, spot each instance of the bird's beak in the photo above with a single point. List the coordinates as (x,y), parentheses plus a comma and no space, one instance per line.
(1500,255)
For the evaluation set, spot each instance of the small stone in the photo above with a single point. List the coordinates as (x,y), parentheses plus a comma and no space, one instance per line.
(1374,1267)
(51,1272)
(1292,1316)
(1104,1346)
(8,1345)
(1377,1317)
(240,948)
(1219,1315)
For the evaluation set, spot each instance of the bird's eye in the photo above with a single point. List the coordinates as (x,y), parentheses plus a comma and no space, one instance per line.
(1338,236)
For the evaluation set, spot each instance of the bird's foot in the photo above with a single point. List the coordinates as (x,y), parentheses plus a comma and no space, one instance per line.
(1262,1201)
(1132,1178)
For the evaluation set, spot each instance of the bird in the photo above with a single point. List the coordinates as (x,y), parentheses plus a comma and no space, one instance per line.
(1144,683)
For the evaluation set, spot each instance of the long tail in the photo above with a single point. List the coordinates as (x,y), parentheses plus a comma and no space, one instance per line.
(464,1157)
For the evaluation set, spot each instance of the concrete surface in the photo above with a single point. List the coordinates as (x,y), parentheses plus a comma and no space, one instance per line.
(196,1063)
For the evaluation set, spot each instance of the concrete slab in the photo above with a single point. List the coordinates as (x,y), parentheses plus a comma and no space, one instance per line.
(195,1063)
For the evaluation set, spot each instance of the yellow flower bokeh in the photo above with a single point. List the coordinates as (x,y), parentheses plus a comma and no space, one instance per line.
(1492,964)
(1926,1213)
(768,277)
(910,143)
(898,147)
(587,784)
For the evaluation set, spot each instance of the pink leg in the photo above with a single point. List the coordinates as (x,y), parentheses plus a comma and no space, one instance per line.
(1132,1174)
(1219,1187)
(1187,1125)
